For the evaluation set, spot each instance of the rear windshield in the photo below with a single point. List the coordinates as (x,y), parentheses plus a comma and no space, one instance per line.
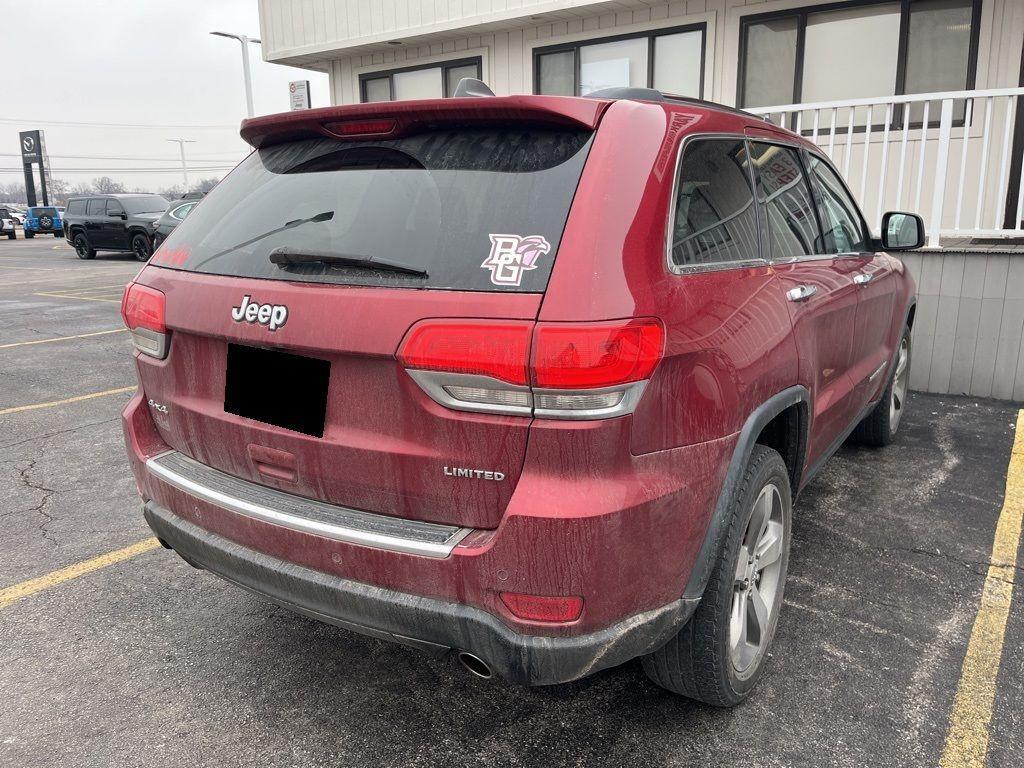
(43,211)
(479,210)
(144,204)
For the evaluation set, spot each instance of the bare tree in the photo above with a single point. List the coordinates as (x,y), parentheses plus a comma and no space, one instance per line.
(13,192)
(57,190)
(105,185)
(171,192)
(204,185)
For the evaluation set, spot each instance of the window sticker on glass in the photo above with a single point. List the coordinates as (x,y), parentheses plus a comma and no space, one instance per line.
(512,255)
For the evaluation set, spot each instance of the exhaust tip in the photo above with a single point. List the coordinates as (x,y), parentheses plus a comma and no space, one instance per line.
(475,665)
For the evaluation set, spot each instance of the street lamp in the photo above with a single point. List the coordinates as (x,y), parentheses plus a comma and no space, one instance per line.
(184,168)
(244,40)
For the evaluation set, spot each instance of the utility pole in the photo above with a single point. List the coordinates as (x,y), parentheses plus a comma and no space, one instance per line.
(246,74)
(184,168)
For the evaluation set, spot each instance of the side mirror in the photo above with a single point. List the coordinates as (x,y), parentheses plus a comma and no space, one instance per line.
(902,231)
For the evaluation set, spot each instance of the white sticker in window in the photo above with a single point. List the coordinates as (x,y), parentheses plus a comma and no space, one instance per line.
(512,255)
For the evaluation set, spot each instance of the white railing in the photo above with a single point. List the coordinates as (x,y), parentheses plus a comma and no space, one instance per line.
(948,156)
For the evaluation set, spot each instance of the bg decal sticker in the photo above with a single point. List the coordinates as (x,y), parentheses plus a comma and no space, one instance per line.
(512,255)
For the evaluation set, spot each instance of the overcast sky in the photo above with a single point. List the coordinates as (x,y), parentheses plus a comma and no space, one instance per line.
(136,62)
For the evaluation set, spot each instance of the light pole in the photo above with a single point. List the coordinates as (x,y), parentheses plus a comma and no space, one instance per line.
(244,40)
(184,168)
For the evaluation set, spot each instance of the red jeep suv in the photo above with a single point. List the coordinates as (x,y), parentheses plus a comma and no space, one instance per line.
(528,380)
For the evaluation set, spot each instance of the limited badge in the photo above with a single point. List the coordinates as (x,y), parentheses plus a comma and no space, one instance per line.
(512,255)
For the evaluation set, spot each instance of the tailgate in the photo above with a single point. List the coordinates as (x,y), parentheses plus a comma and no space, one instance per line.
(385,444)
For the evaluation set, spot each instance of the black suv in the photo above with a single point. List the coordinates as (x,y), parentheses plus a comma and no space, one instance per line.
(113,223)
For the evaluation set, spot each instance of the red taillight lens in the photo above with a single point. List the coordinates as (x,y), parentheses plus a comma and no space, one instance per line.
(497,349)
(541,608)
(143,307)
(588,356)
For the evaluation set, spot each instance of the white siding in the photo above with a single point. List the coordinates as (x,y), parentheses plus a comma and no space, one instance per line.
(348,36)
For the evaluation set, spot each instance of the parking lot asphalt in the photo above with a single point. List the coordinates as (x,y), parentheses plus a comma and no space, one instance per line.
(148,661)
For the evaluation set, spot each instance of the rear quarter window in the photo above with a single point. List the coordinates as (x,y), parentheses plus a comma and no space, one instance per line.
(477,210)
(76,206)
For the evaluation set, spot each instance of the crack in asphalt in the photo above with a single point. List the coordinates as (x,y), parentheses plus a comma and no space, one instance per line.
(34,438)
(40,508)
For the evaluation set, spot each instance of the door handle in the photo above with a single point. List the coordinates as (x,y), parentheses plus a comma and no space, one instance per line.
(863,278)
(801,292)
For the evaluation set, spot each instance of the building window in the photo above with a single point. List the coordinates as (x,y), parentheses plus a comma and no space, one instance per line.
(428,81)
(858,50)
(670,60)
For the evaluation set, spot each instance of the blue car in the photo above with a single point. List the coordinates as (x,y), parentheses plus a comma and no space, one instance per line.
(43,220)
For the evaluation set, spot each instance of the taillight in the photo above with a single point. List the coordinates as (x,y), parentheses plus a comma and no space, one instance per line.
(143,311)
(494,349)
(543,607)
(549,370)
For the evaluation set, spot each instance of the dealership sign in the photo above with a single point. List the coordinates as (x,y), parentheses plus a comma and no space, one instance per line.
(33,152)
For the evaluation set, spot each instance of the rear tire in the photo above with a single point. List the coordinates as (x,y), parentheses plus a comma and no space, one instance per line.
(141,248)
(720,654)
(57,234)
(82,247)
(879,427)
(12,235)
(29,235)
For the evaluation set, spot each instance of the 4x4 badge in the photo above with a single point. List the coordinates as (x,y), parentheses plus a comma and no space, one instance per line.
(512,255)
(271,315)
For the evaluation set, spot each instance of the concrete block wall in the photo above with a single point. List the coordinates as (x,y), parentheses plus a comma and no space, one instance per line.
(969,328)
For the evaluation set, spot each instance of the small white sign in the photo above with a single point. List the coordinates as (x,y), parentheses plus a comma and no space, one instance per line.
(298,94)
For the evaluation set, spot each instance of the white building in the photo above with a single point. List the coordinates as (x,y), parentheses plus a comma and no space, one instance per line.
(849,74)
(754,54)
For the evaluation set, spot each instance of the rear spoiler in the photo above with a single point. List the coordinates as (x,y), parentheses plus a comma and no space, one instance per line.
(393,119)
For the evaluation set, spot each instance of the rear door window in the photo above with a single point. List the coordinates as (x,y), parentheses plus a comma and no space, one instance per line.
(783,190)
(715,215)
(96,206)
(473,209)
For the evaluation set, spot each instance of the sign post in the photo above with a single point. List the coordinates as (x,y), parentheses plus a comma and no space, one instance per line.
(33,152)
(298,94)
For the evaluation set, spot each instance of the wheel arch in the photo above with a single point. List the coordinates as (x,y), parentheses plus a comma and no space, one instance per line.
(784,416)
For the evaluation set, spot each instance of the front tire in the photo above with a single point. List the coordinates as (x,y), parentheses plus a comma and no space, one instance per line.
(82,247)
(141,248)
(879,427)
(720,654)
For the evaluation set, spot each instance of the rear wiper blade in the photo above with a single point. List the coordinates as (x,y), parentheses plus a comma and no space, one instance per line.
(317,219)
(287,257)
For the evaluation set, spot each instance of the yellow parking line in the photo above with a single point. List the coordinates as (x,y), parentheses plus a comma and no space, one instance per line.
(60,338)
(967,740)
(54,403)
(17,592)
(90,288)
(79,298)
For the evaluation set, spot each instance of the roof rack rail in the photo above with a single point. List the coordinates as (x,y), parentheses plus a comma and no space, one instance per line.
(471,87)
(650,94)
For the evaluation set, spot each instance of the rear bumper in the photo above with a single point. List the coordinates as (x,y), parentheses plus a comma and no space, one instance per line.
(434,625)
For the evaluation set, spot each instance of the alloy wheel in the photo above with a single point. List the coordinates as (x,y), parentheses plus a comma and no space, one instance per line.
(141,249)
(757,586)
(899,385)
